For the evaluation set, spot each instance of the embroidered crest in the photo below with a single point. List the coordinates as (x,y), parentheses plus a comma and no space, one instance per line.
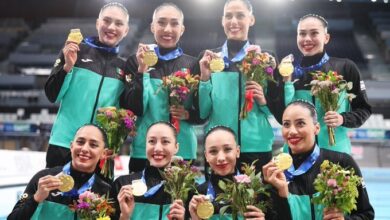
(58,61)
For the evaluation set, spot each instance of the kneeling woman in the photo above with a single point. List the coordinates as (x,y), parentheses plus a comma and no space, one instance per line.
(222,152)
(42,198)
(299,130)
(161,146)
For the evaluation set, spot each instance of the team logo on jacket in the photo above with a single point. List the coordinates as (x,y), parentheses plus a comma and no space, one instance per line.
(362,85)
(86,60)
(123,75)
(58,61)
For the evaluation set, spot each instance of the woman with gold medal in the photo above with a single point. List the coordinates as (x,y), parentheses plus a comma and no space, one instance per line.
(223,87)
(299,129)
(144,96)
(50,192)
(141,195)
(222,152)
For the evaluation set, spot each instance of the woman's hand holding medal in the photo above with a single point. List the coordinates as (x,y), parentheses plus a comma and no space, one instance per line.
(126,201)
(201,207)
(274,173)
(210,62)
(45,185)
(146,57)
(71,48)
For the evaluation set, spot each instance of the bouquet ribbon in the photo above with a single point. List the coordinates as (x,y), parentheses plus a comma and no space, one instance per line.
(176,123)
(249,100)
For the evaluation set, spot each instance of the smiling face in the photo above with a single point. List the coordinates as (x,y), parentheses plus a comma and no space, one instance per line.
(161,145)
(167,26)
(312,36)
(112,25)
(299,129)
(87,149)
(221,152)
(236,20)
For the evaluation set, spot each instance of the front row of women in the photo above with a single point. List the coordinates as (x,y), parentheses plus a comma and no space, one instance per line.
(290,198)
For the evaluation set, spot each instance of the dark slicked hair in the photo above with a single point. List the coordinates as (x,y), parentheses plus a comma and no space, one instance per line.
(308,105)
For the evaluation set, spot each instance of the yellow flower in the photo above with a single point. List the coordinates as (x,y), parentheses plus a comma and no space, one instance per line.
(104,218)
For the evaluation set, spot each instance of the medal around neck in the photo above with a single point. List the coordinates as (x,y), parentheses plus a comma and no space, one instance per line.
(283,161)
(139,187)
(150,56)
(75,36)
(217,64)
(286,67)
(205,210)
(67,182)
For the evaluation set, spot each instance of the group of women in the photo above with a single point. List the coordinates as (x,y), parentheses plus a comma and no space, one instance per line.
(229,139)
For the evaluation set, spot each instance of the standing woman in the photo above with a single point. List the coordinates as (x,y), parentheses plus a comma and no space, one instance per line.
(161,146)
(85,78)
(141,94)
(222,153)
(299,130)
(312,36)
(42,198)
(222,94)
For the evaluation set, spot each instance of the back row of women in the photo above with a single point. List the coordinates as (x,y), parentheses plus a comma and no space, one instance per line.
(86,77)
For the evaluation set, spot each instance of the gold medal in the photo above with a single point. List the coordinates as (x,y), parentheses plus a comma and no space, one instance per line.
(205,210)
(139,187)
(67,183)
(75,36)
(283,161)
(217,64)
(286,67)
(150,58)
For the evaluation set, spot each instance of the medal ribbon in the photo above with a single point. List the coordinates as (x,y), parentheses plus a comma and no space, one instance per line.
(237,58)
(169,56)
(90,41)
(152,190)
(299,71)
(83,188)
(304,167)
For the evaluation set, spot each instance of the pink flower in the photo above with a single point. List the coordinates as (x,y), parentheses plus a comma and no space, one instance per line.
(242,178)
(332,183)
(109,114)
(256,61)
(255,48)
(128,123)
(180,74)
(87,195)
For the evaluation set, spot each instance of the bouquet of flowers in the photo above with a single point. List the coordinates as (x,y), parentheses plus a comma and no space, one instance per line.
(327,87)
(258,67)
(337,187)
(92,206)
(117,123)
(246,189)
(180,85)
(180,179)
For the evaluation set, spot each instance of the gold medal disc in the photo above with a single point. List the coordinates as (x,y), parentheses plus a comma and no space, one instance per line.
(217,65)
(286,69)
(283,161)
(67,183)
(139,187)
(150,58)
(205,210)
(75,36)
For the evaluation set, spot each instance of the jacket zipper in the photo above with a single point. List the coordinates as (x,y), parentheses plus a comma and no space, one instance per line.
(99,89)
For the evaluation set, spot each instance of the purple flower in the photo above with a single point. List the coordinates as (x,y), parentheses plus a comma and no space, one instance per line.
(195,169)
(332,183)
(269,70)
(83,205)
(128,123)
(242,178)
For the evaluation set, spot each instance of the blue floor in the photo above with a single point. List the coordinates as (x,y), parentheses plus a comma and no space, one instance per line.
(378,186)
